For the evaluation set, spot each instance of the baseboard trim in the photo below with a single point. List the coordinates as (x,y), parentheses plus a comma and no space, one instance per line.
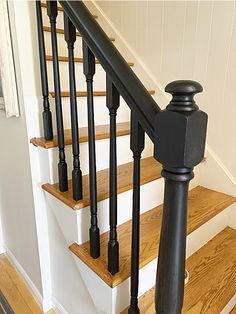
(45,304)
(58,308)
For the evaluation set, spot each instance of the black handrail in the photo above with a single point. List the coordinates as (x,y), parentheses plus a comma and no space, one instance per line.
(125,80)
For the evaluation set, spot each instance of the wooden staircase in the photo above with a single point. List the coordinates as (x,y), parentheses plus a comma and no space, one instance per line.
(212,267)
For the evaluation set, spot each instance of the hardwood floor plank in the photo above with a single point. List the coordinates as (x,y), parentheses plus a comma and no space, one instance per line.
(150,171)
(212,277)
(203,205)
(101,132)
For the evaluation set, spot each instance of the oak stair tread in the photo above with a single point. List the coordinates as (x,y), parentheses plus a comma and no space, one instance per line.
(204,204)
(150,171)
(101,132)
(61,31)
(212,278)
(233,310)
(84,93)
(78,60)
(44,5)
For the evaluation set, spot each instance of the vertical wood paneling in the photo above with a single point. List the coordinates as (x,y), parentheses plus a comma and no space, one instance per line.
(190,40)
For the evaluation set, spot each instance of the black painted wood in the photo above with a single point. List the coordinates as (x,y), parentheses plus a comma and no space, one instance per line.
(137,146)
(89,71)
(62,165)
(125,80)
(113,103)
(183,127)
(47,116)
(70,38)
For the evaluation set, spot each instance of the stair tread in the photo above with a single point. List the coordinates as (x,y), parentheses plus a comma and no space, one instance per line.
(101,132)
(203,205)
(233,310)
(79,60)
(212,277)
(44,5)
(84,93)
(150,171)
(61,31)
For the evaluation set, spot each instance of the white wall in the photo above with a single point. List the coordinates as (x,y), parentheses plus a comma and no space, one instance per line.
(188,40)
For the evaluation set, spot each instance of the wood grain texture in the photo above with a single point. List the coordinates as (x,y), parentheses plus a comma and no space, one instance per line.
(150,170)
(212,277)
(61,31)
(78,60)
(15,290)
(233,311)
(101,132)
(44,5)
(84,93)
(203,205)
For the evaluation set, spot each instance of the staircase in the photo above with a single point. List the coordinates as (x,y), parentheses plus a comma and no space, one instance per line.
(102,195)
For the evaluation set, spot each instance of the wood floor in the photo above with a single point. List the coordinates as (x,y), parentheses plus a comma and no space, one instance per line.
(212,278)
(204,204)
(15,290)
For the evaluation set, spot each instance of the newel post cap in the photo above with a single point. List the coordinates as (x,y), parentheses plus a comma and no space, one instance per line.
(180,129)
(183,92)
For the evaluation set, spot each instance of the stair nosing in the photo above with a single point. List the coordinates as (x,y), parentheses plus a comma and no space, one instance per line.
(62,196)
(61,31)
(123,129)
(66,94)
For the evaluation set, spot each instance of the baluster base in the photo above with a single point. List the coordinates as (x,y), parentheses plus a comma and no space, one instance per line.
(77,185)
(113,257)
(94,242)
(47,125)
(132,310)
(62,174)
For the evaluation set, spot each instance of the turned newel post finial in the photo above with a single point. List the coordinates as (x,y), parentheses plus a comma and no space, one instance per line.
(183,93)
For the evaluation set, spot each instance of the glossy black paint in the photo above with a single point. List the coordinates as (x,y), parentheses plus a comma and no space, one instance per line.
(113,103)
(89,71)
(62,166)
(70,38)
(137,146)
(179,146)
(47,116)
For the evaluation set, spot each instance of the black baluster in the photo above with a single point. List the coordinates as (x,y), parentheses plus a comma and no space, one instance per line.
(47,116)
(179,146)
(137,146)
(70,37)
(62,166)
(89,71)
(113,102)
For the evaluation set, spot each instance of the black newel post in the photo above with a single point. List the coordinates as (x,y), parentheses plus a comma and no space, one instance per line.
(137,146)
(89,71)
(70,38)
(62,165)
(113,102)
(180,142)
(47,116)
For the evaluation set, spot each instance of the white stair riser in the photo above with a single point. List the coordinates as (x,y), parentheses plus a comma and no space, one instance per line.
(62,45)
(75,224)
(99,78)
(124,155)
(120,294)
(101,113)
